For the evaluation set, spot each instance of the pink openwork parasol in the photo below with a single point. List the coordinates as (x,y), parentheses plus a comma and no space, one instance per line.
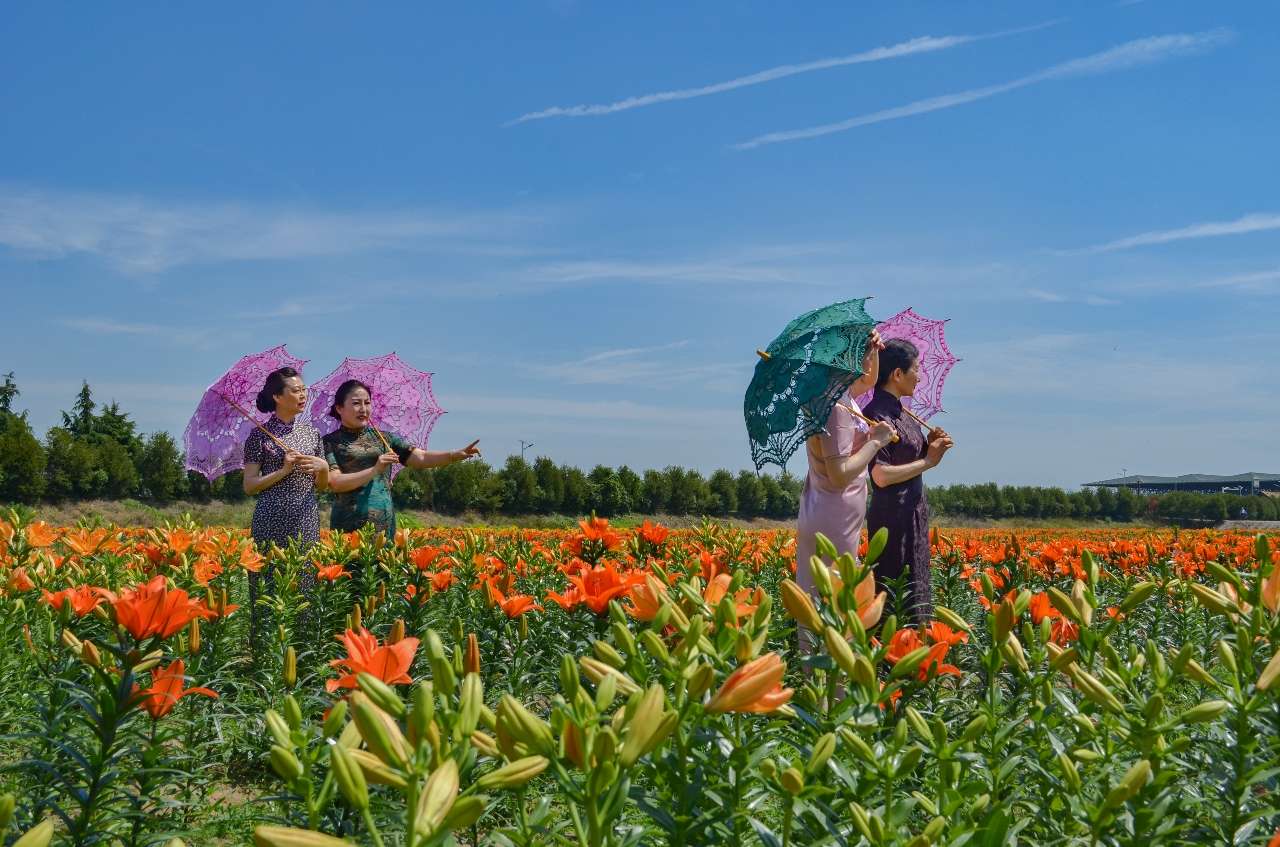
(936,361)
(215,436)
(403,402)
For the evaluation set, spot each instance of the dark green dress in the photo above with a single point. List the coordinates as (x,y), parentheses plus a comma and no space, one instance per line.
(351,452)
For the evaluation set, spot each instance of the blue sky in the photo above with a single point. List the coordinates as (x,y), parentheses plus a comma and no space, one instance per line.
(584,218)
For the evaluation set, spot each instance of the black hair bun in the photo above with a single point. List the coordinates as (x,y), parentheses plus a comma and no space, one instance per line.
(265,402)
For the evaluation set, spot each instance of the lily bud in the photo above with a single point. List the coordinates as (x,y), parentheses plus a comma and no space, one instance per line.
(1227,655)
(1069,771)
(792,781)
(285,763)
(799,605)
(334,720)
(823,749)
(292,713)
(89,654)
(606,653)
(350,777)
(653,645)
(951,619)
(1204,712)
(396,635)
(644,723)
(1130,784)
(1269,673)
(290,658)
(375,770)
(513,774)
(470,701)
(908,664)
(471,656)
(596,670)
(437,798)
(278,728)
(379,731)
(465,812)
(193,636)
(39,835)
(287,836)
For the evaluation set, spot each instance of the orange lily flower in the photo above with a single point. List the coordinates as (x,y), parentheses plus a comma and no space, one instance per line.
(597,529)
(646,598)
(600,585)
(653,533)
(153,609)
(389,663)
(754,688)
(179,540)
(166,690)
(40,534)
(332,573)
(83,599)
(1271,588)
(939,633)
(903,642)
(20,581)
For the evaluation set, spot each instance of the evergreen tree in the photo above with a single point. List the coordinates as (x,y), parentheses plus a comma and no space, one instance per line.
(80,420)
(22,459)
(160,469)
(8,393)
(724,494)
(656,496)
(751,497)
(550,485)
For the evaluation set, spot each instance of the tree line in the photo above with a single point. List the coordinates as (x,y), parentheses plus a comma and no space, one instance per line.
(97,453)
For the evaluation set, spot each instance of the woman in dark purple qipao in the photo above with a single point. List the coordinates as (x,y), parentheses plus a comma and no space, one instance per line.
(898,500)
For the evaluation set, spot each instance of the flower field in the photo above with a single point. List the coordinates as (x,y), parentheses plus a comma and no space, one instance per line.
(621,687)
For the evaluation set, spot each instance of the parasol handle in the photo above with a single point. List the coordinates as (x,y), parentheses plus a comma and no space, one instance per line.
(251,419)
(917,419)
(763,355)
(864,418)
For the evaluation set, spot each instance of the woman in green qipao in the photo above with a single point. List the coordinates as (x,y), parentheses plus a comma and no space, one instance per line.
(359,462)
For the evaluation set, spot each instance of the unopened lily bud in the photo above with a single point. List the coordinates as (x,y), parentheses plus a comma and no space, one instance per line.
(381,694)
(1137,596)
(606,653)
(700,681)
(470,701)
(799,605)
(975,727)
(396,635)
(285,763)
(792,781)
(290,664)
(908,664)
(1130,784)
(70,641)
(569,680)
(606,691)
(768,768)
(423,711)
(1069,771)
(1212,600)
(821,576)
(653,645)
(357,617)
(860,747)
(193,636)
(39,835)
(89,654)
(287,836)
(514,774)
(1013,653)
(379,731)
(437,798)
(839,649)
(1059,658)
(471,656)
(1065,605)
(1227,655)
(1269,673)
(1196,671)
(824,548)
(951,619)
(1003,614)
(278,728)
(149,661)
(823,749)
(1081,600)
(334,720)
(524,628)
(485,743)
(918,723)
(596,670)
(1204,712)
(928,805)
(524,726)
(350,777)
(1085,754)
(861,820)
(375,770)
(465,812)
(1021,603)
(1084,724)
(292,712)
(644,723)
(7,804)
(988,587)
(743,647)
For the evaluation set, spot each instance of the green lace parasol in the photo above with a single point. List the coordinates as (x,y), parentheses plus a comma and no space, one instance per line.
(801,375)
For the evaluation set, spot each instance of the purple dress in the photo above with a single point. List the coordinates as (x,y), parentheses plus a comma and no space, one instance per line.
(836,512)
(903,509)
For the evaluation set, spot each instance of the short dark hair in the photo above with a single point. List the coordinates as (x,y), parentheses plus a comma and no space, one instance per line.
(266,401)
(344,391)
(898,354)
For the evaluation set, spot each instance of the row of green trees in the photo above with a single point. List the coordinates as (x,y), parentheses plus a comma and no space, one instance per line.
(97,453)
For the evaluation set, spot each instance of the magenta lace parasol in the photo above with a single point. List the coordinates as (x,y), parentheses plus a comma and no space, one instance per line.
(936,361)
(215,435)
(403,402)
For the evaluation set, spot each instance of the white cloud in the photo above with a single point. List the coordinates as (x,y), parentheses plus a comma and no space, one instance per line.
(914,46)
(646,367)
(1058,297)
(142,236)
(1257,222)
(107,326)
(1131,54)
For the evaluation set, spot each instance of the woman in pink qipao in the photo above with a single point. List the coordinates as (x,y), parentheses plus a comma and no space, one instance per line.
(834,499)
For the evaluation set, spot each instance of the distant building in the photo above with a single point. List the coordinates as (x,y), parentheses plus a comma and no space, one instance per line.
(1244,484)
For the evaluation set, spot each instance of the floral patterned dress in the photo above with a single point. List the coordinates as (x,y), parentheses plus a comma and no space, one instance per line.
(349,451)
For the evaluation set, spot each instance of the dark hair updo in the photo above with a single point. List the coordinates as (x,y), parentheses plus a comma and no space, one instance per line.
(266,401)
(898,354)
(344,391)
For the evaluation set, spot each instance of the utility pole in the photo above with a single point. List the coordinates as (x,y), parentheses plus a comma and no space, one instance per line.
(524,445)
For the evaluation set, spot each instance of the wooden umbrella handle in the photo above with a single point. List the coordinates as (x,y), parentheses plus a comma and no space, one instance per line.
(868,421)
(917,419)
(251,419)
(381,437)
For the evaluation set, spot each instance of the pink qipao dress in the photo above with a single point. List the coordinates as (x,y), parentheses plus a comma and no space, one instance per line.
(838,513)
